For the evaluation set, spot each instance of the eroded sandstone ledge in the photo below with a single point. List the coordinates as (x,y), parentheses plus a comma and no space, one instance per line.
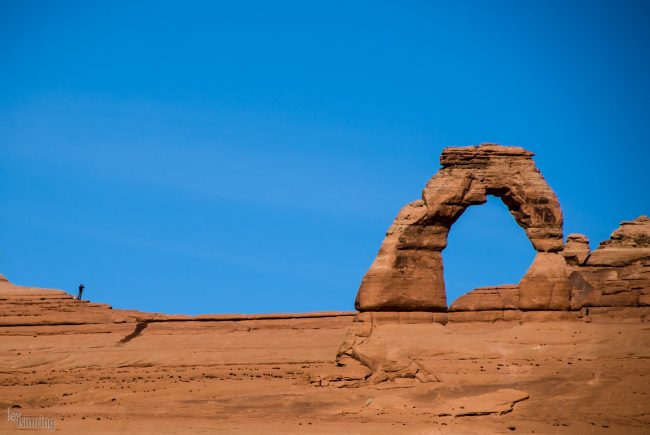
(30,306)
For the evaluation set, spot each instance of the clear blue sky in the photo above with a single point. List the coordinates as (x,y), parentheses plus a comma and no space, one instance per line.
(213,157)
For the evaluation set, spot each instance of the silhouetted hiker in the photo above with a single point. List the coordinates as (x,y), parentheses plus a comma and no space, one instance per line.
(81,290)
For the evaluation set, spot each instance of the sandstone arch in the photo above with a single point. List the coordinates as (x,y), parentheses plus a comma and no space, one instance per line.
(407,274)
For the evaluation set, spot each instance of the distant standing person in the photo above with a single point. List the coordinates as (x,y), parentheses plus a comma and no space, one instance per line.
(81,290)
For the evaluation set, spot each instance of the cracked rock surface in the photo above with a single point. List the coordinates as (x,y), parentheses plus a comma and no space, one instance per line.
(97,370)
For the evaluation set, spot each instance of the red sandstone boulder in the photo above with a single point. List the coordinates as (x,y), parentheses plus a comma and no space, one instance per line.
(576,249)
(503,297)
(545,285)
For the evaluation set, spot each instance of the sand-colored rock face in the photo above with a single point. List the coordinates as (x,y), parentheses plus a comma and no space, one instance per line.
(576,249)
(87,369)
(407,274)
(617,274)
(545,285)
(503,297)
(628,243)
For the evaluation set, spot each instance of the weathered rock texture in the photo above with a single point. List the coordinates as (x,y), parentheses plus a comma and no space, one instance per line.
(402,350)
(503,297)
(94,369)
(407,274)
(576,249)
(545,285)
(617,274)
(30,306)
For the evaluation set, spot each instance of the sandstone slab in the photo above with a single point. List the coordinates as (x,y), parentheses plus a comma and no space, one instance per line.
(503,297)
(545,285)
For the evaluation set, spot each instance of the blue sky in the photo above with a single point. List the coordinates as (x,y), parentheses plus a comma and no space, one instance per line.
(214,157)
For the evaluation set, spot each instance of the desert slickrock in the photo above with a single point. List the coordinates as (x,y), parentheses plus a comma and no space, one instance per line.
(566,350)
(97,370)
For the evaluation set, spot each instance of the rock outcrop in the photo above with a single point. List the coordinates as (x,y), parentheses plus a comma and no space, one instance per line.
(407,274)
(503,297)
(617,274)
(576,249)
(545,285)
(88,370)
(22,306)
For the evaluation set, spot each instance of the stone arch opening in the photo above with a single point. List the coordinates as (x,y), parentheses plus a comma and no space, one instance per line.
(486,248)
(407,274)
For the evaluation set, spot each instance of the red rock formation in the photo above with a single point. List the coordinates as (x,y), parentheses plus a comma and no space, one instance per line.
(545,285)
(504,297)
(276,373)
(89,369)
(576,249)
(31,306)
(617,274)
(407,274)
